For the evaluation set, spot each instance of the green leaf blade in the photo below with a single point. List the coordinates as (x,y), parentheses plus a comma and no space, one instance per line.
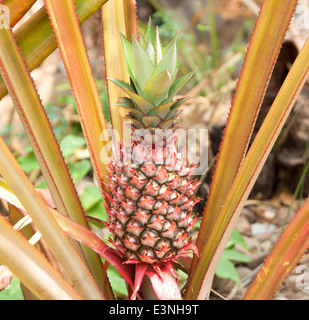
(169,61)
(142,63)
(227,270)
(158,87)
(128,56)
(79,170)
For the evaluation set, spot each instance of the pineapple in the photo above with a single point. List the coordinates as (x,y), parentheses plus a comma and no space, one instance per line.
(152,195)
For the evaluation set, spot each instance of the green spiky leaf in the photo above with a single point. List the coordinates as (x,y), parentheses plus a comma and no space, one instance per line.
(169,61)
(159,49)
(135,113)
(123,85)
(158,87)
(128,56)
(151,53)
(143,65)
(150,34)
(175,108)
(166,123)
(141,103)
(162,110)
(136,123)
(79,170)
(151,121)
(179,84)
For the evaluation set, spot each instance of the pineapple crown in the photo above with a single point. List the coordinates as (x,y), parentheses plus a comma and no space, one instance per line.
(152,68)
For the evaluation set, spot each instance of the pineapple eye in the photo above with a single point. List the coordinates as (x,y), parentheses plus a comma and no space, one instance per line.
(131,238)
(183,200)
(120,191)
(132,193)
(149,169)
(181,216)
(133,223)
(152,188)
(149,233)
(162,189)
(113,181)
(163,243)
(134,227)
(166,226)
(170,210)
(156,222)
(162,175)
(146,202)
(180,239)
(119,225)
(132,255)
(171,177)
(179,236)
(183,171)
(119,243)
(171,254)
(149,237)
(190,225)
(123,213)
(129,171)
(183,182)
(154,217)
(142,216)
(174,195)
(183,220)
(141,176)
(157,205)
(147,252)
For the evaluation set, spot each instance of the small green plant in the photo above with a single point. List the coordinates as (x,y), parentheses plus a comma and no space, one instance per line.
(226,268)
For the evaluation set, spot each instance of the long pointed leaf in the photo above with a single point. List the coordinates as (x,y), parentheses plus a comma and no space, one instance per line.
(36,123)
(140,271)
(247,175)
(57,241)
(115,67)
(262,52)
(164,285)
(77,232)
(130,13)
(36,39)
(31,267)
(18,8)
(74,55)
(37,126)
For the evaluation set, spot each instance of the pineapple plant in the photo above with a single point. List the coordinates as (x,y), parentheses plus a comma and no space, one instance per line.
(152,194)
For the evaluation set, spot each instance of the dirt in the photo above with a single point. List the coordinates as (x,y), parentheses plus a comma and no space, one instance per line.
(261,224)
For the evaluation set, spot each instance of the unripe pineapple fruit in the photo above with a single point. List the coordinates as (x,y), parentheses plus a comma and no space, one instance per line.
(152,195)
